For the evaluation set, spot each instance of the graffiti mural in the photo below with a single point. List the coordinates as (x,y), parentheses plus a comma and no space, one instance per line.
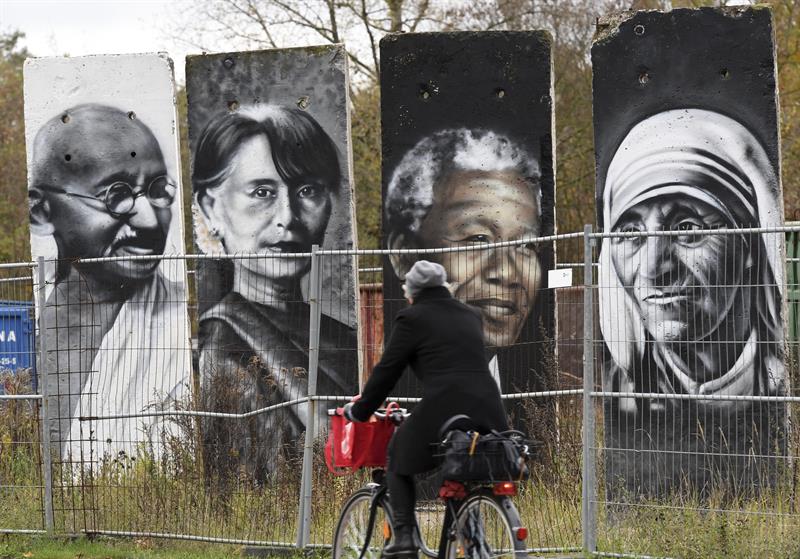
(467,160)
(687,141)
(270,179)
(103,181)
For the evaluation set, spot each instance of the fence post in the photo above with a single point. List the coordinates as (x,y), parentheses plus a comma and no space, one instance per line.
(47,469)
(589,496)
(304,508)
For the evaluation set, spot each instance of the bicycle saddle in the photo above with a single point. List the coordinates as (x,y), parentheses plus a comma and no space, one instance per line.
(460,422)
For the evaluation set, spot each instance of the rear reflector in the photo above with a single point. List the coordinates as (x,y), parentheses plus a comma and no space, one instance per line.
(505,488)
(521,533)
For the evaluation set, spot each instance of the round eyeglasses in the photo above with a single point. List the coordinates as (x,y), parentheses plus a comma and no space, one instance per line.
(120,197)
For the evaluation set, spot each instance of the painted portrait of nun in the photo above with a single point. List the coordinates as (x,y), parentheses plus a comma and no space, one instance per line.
(691,313)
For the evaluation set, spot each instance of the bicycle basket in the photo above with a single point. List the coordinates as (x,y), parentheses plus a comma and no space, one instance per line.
(495,456)
(351,446)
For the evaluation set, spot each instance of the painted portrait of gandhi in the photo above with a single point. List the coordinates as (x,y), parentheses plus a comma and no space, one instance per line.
(99,187)
(462,187)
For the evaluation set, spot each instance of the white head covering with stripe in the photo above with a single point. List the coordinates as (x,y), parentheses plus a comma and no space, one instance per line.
(692,153)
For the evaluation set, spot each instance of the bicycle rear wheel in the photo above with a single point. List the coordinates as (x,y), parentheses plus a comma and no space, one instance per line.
(485,526)
(353,524)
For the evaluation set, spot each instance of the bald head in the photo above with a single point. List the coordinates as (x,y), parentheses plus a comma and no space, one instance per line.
(87,138)
(81,156)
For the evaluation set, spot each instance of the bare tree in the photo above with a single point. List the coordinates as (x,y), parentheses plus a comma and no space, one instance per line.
(249,24)
(362,23)
(787,39)
(572,25)
(224,25)
(14,242)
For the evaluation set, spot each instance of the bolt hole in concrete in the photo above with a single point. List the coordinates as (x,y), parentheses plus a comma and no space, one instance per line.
(644,77)
(65,118)
(133,154)
(228,62)
(233,105)
(500,93)
(639,30)
(725,74)
(303,102)
(132,115)
(68,157)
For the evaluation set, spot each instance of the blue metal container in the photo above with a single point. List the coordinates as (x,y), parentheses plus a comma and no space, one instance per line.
(17,345)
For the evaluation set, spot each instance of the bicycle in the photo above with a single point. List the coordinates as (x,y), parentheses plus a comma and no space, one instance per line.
(480,520)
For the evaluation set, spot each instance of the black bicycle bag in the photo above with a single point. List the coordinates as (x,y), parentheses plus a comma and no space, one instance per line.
(472,456)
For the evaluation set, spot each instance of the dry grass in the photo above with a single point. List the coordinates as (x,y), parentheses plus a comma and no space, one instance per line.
(173,494)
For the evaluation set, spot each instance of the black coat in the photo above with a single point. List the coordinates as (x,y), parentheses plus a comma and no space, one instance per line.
(441,339)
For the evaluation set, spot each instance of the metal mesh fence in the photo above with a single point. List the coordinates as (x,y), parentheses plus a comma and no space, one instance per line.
(21,471)
(695,373)
(204,416)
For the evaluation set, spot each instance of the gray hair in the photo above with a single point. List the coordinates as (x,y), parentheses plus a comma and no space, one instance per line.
(409,195)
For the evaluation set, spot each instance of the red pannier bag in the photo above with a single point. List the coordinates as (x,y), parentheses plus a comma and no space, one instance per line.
(353,445)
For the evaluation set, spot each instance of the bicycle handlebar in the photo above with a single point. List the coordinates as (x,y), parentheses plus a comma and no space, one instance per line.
(381,414)
(396,415)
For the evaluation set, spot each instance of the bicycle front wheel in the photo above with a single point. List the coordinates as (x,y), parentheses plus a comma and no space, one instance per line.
(353,525)
(484,529)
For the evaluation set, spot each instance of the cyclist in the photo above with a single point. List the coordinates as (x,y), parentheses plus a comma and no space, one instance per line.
(441,339)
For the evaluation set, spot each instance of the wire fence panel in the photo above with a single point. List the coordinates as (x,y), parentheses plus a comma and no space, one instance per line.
(186,493)
(510,286)
(695,371)
(21,484)
(694,434)
(115,357)
(549,502)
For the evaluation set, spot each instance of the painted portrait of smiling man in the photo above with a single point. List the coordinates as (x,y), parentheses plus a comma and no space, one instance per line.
(103,183)
(685,311)
(438,197)
(270,180)
(467,162)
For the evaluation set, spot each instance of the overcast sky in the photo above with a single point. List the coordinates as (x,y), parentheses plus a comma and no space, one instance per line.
(78,27)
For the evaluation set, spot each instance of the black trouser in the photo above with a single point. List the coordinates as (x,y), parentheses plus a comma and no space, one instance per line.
(401,496)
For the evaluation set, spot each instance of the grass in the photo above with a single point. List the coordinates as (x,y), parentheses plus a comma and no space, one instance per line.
(28,547)
(696,534)
(173,495)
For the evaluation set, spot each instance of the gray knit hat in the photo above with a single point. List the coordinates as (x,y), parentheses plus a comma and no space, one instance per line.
(424,274)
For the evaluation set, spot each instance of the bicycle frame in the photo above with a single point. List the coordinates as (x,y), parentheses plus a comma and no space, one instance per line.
(380,493)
